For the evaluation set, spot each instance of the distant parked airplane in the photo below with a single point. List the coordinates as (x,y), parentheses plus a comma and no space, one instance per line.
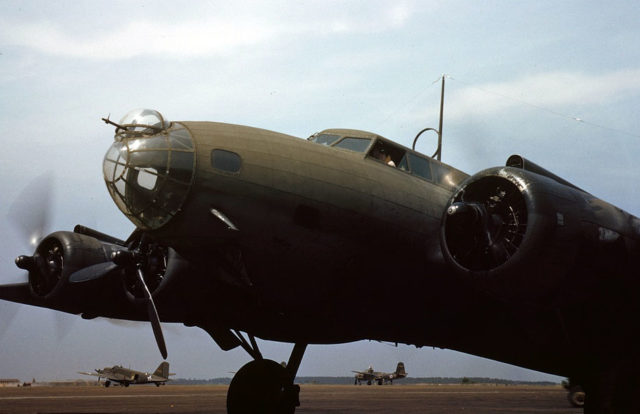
(380,377)
(126,376)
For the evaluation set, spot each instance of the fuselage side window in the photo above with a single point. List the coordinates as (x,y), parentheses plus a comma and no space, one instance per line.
(324,139)
(354,144)
(420,166)
(226,161)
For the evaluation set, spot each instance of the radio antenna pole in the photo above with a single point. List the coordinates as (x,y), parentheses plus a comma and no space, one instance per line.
(440,124)
(438,154)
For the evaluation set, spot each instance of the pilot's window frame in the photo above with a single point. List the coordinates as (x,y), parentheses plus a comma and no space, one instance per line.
(419,172)
(231,165)
(339,144)
(398,154)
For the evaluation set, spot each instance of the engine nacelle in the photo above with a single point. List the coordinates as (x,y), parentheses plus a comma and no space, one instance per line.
(58,256)
(77,273)
(526,234)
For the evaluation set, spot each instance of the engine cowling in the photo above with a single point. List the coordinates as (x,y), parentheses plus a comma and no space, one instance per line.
(58,256)
(87,272)
(523,233)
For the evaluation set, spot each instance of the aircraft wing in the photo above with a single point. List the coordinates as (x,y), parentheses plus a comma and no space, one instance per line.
(69,298)
(18,292)
(89,373)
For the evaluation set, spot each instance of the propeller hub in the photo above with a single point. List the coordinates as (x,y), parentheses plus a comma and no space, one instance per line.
(485,224)
(466,213)
(123,258)
(25,262)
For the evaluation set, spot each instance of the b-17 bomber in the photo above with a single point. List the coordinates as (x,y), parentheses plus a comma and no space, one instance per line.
(248,233)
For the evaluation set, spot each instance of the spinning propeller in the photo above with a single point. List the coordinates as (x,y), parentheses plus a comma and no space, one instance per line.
(30,214)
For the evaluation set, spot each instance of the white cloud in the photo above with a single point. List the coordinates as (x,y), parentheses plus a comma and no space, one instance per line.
(140,38)
(553,91)
(399,14)
(202,36)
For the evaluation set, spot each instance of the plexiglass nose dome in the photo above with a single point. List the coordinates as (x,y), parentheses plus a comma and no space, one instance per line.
(149,168)
(143,121)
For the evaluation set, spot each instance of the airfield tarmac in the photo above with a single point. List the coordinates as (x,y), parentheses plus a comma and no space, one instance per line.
(316,399)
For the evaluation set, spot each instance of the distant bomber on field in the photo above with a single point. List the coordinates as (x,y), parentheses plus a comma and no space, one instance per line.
(380,377)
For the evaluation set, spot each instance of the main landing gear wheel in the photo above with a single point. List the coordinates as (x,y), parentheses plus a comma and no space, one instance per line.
(260,387)
(576,396)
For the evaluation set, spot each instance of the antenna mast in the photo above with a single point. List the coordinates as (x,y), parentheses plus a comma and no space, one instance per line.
(438,154)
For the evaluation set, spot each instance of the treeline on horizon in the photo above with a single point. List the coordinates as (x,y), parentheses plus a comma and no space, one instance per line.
(350,381)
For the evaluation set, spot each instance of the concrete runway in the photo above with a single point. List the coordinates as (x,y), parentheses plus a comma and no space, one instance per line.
(316,399)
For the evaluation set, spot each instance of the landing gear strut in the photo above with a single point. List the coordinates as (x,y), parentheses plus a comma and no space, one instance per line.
(263,386)
(613,390)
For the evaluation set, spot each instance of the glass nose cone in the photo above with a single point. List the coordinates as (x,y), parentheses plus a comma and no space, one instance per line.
(149,173)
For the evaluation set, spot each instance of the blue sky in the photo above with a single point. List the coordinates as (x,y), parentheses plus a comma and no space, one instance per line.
(558,82)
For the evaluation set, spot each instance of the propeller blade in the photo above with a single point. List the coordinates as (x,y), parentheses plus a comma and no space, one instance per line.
(30,212)
(92,272)
(153,316)
(8,311)
(63,323)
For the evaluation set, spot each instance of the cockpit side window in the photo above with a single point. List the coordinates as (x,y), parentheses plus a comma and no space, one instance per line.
(354,144)
(389,154)
(420,166)
(324,139)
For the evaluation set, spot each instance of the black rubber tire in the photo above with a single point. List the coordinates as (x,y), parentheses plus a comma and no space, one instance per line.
(576,396)
(257,388)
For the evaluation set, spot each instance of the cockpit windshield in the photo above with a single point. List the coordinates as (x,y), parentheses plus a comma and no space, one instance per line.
(354,144)
(357,144)
(324,139)
(149,168)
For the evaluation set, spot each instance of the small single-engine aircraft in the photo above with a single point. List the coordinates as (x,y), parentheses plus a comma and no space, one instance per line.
(248,233)
(380,378)
(127,376)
